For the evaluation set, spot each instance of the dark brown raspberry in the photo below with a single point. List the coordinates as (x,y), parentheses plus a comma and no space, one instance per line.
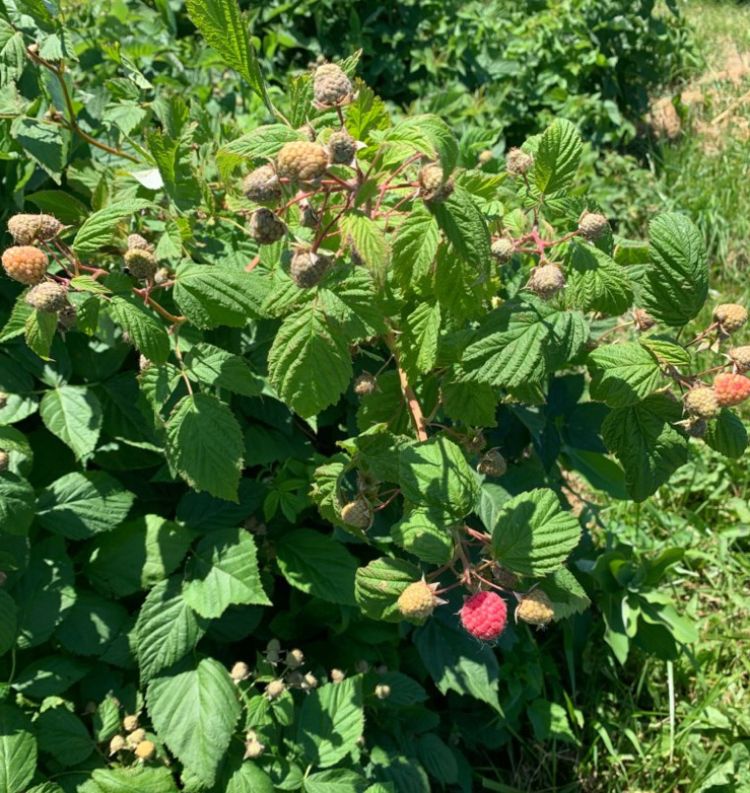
(265,227)
(341,147)
(262,185)
(331,86)
(307,268)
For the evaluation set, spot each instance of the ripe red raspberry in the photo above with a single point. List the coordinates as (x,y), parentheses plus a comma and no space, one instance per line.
(731,389)
(25,264)
(484,615)
(302,161)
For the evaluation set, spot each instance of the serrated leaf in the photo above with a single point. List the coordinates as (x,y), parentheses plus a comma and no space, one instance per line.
(223,571)
(557,157)
(318,565)
(137,779)
(194,713)
(369,241)
(137,555)
(595,282)
(147,332)
(419,340)
(213,295)
(222,25)
(8,622)
(331,722)
(466,229)
(456,661)
(379,584)
(39,330)
(204,443)
(260,145)
(727,435)
(96,231)
(73,413)
(435,473)
(426,532)
(645,443)
(415,246)
(429,135)
(623,374)
(63,735)
(676,283)
(50,676)
(567,596)
(533,535)
(16,504)
(18,750)
(307,343)
(167,629)
(221,369)
(79,505)
(91,624)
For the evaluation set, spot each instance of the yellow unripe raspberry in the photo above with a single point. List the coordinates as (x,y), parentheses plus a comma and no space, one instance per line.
(418,600)
(535,608)
(130,723)
(730,316)
(702,402)
(302,161)
(357,513)
(145,750)
(25,264)
(141,263)
(27,229)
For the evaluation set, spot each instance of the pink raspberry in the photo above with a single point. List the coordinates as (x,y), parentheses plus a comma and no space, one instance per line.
(731,389)
(484,615)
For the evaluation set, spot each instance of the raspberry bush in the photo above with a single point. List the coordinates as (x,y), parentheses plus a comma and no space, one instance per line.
(302,428)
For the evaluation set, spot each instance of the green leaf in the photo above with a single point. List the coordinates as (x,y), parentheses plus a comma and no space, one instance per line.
(623,374)
(96,231)
(378,586)
(435,473)
(426,533)
(438,758)
(676,283)
(466,229)
(8,622)
(308,343)
(595,282)
(369,241)
(46,143)
(240,776)
(727,435)
(419,340)
(415,246)
(456,661)
(194,712)
(16,504)
(39,329)
(79,505)
(331,722)
(17,750)
(204,443)
(91,625)
(63,735)
(167,629)
(218,368)
(50,676)
(567,596)
(557,157)
(533,535)
(318,565)
(138,779)
(472,403)
(137,555)
(74,415)
(429,135)
(147,332)
(215,294)
(223,27)
(335,780)
(645,443)
(223,571)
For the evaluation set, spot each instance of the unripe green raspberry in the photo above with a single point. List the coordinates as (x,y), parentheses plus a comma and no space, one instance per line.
(591,225)
(341,147)
(492,464)
(702,402)
(27,229)
(365,384)
(137,242)
(546,280)
(141,263)
(740,357)
(47,296)
(295,658)
(273,650)
(357,513)
(730,316)
(265,227)
(310,681)
(262,185)
(25,264)
(275,689)
(307,268)
(518,162)
(331,86)
(162,275)
(535,608)
(418,601)
(302,161)
(502,249)
(433,186)
(382,691)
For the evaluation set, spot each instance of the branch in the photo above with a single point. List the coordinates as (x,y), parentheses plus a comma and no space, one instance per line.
(411,398)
